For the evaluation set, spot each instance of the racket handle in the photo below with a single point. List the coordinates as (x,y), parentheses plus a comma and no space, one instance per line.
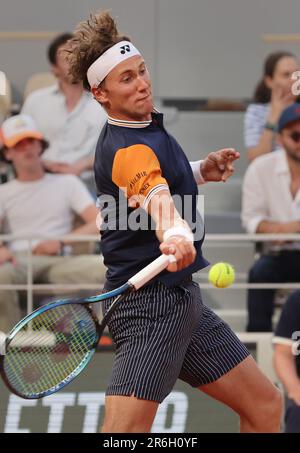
(150,271)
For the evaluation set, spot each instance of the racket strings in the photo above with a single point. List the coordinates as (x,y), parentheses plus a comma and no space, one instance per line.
(50,349)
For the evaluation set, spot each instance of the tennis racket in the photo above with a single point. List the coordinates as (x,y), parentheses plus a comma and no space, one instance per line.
(50,347)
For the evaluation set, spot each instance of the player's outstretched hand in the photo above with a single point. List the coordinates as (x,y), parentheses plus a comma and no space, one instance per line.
(218,165)
(183,250)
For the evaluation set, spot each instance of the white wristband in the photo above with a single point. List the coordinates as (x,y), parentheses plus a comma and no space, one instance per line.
(196,168)
(178,231)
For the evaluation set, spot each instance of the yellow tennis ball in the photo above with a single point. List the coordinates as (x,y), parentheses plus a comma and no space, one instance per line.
(221,275)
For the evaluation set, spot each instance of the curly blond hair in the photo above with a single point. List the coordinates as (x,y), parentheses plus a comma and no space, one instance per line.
(91,39)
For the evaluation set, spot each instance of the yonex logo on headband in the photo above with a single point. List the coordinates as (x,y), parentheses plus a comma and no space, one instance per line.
(109,60)
(125,49)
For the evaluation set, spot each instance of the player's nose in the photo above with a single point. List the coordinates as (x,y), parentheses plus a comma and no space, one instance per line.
(142,84)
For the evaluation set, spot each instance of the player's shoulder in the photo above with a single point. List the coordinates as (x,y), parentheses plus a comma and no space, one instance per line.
(112,139)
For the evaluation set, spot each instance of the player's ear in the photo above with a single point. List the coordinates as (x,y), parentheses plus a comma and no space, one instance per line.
(100,94)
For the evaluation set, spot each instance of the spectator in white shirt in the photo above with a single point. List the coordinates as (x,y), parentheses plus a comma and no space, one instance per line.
(68,116)
(272,95)
(40,204)
(271,204)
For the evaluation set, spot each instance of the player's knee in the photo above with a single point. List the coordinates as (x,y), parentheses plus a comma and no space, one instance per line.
(268,412)
(274,402)
(273,411)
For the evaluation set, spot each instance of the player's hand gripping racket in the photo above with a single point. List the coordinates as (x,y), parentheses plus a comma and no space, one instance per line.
(51,346)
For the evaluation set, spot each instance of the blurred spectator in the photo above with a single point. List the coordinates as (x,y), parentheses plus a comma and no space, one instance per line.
(68,116)
(38,203)
(287,360)
(272,95)
(271,204)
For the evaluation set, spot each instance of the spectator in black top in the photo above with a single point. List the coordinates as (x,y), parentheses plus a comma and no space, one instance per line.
(287,359)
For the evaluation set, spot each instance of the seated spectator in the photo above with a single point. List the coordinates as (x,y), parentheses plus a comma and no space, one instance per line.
(287,360)
(69,118)
(271,204)
(38,203)
(272,95)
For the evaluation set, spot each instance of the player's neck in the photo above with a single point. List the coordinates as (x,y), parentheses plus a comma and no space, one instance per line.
(129,117)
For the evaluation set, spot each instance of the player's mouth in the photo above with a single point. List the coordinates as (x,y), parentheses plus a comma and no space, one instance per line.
(145,98)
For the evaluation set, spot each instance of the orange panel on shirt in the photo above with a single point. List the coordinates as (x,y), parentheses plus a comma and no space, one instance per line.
(137,169)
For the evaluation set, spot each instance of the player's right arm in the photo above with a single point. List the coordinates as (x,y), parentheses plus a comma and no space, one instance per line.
(172,231)
(136,170)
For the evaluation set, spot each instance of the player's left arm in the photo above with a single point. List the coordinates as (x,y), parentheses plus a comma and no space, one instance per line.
(217,166)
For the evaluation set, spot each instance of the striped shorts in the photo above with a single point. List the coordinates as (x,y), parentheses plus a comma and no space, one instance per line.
(162,334)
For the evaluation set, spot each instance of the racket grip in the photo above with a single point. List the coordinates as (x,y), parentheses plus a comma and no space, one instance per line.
(150,271)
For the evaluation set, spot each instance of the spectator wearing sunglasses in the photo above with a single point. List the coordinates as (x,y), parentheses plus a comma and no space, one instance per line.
(271,204)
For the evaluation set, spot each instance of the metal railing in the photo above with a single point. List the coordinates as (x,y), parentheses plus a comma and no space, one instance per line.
(30,286)
(261,340)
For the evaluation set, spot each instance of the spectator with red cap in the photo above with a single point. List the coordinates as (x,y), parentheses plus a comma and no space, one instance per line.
(38,204)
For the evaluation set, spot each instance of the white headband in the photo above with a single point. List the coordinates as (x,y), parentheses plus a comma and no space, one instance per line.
(109,60)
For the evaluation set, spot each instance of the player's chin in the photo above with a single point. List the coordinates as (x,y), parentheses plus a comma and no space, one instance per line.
(145,106)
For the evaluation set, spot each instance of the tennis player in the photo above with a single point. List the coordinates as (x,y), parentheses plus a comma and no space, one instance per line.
(162,332)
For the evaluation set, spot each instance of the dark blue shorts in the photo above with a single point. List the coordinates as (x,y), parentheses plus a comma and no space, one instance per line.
(162,334)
